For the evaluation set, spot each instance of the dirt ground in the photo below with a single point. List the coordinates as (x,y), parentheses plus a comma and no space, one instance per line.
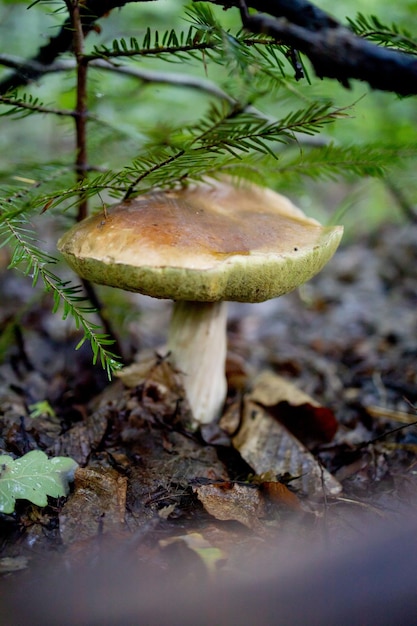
(347,340)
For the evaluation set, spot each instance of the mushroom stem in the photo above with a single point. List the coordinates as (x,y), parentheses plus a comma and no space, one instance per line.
(197,342)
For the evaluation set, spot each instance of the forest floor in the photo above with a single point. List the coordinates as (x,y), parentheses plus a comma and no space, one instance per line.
(336,458)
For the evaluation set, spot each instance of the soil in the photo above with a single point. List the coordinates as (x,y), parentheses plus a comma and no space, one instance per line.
(347,339)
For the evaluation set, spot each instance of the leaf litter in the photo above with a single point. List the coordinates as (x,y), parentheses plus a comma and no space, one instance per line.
(280,462)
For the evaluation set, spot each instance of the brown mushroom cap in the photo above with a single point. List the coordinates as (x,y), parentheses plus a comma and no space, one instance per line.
(208,242)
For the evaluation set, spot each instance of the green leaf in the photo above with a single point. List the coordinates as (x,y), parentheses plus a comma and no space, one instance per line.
(33,477)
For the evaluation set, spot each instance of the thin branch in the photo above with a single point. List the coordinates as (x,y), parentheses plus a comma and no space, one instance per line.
(334,51)
(157,51)
(81,103)
(32,106)
(107,325)
(175,79)
(90,12)
(81,163)
(398,194)
(300,12)
(158,166)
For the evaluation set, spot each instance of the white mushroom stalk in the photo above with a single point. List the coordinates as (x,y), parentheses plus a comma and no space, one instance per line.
(197,347)
(200,246)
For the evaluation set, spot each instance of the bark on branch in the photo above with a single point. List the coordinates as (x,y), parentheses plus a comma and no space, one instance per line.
(90,12)
(334,51)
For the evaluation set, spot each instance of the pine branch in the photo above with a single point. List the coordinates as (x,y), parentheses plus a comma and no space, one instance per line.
(216,142)
(108,181)
(90,12)
(144,75)
(81,163)
(182,81)
(333,162)
(34,262)
(182,46)
(391,36)
(220,140)
(17,201)
(206,37)
(26,104)
(299,12)
(334,51)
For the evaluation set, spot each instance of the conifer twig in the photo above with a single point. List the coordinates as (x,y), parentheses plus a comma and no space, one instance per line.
(334,50)
(81,104)
(31,105)
(105,322)
(145,75)
(90,12)
(81,163)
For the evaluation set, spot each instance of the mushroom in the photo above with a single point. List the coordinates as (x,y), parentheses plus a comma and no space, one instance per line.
(201,245)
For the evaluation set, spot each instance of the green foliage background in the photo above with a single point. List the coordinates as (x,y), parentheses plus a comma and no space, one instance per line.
(129,109)
(355,165)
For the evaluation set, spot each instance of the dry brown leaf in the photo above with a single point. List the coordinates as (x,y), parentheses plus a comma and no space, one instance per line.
(159,389)
(277,492)
(10,564)
(270,389)
(236,371)
(267,445)
(232,501)
(209,554)
(302,415)
(97,505)
(79,441)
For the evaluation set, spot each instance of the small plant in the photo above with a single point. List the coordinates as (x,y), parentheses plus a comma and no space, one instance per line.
(41,408)
(33,477)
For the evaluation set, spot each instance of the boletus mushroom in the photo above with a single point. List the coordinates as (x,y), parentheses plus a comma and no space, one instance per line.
(201,245)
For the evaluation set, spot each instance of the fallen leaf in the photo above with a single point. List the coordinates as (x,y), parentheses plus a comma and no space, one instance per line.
(166,511)
(209,554)
(305,418)
(159,388)
(277,492)
(232,501)
(236,372)
(84,437)
(97,505)
(266,445)
(13,564)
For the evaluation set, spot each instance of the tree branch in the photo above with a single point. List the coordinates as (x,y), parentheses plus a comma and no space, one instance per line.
(174,79)
(18,105)
(81,162)
(300,12)
(334,51)
(90,12)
